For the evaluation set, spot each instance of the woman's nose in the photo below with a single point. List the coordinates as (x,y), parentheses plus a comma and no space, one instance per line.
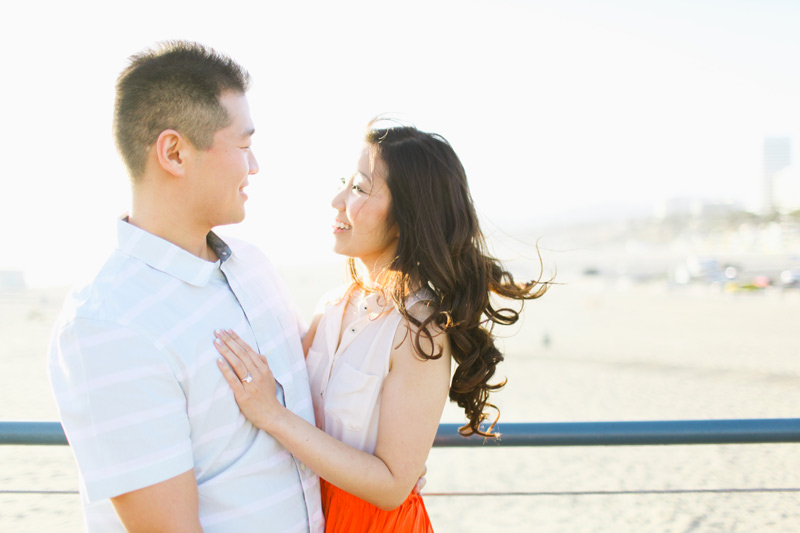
(338,199)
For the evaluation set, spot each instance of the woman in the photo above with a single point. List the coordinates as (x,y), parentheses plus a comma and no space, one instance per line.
(379,355)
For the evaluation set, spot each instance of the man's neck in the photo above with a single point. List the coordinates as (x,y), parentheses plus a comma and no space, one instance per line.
(171,226)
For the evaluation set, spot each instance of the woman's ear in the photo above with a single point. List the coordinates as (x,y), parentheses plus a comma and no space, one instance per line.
(169,146)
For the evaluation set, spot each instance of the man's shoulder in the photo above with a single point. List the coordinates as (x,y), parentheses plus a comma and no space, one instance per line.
(244,249)
(105,293)
(250,256)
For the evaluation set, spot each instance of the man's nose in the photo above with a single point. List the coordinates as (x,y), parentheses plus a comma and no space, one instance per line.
(253,163)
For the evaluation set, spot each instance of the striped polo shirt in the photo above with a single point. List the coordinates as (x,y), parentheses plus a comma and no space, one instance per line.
(133,369)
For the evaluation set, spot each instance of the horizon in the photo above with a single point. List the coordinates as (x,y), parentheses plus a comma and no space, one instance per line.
(554,110)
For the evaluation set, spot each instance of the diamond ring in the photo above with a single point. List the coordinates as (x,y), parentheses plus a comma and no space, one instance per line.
(248,378)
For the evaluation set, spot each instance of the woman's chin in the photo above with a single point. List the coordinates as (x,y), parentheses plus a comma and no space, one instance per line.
(339,250)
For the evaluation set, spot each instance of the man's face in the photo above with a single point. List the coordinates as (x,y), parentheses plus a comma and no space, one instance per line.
(219,174)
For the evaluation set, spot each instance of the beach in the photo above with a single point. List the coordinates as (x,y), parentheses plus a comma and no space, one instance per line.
(592,349)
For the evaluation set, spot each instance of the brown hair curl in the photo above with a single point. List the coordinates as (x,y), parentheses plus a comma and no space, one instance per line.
(441,248)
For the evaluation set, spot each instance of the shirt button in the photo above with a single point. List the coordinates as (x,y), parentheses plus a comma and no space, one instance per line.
(302,467)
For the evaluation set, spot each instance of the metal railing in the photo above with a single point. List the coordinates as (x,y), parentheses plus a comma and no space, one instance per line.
(662,432)
(665,432)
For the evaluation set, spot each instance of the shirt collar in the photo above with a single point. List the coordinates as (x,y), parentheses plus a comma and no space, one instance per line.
(168,258)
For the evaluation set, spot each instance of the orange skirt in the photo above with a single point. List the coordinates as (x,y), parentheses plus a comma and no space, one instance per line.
(347,513)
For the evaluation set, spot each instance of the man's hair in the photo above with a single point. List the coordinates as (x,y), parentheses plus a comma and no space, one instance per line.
(175,85)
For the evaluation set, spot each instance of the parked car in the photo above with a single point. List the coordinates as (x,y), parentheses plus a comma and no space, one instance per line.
(790,278)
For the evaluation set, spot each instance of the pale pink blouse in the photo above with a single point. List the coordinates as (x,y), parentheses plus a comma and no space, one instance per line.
(347,380)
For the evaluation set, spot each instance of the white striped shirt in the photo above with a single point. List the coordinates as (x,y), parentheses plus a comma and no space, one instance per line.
(133,369)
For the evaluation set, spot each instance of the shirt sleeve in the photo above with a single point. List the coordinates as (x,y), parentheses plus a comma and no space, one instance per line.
(121,405)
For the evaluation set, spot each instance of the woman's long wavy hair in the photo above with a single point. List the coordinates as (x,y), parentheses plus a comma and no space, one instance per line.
(441,248)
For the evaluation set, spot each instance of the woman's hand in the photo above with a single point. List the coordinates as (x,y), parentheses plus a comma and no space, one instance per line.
(421,482)
(248,374)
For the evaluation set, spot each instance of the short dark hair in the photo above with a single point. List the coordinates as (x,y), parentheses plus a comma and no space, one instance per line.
(175,85)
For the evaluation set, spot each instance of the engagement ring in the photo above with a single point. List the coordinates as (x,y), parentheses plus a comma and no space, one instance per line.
(248,378)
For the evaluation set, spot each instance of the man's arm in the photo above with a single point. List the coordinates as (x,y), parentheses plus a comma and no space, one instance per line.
(124,414)
(169,506)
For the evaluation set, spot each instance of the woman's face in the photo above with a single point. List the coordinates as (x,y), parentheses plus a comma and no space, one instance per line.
(361,228)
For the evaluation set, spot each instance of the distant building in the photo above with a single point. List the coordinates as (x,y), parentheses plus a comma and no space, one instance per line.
(678,206)
(690,206)
(786,190)
(777,156)
(11,279)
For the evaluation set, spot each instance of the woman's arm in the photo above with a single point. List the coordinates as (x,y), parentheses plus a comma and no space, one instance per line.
(414,394)
(308,339)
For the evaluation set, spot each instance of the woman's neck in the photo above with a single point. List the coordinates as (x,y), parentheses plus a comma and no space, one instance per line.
(372,279)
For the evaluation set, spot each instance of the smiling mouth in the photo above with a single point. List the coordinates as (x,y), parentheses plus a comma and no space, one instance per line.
(338,224)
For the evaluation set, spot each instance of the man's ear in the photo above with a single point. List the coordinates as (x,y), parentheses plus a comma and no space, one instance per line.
(170,152)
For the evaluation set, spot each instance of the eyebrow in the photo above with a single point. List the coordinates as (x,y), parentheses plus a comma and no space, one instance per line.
(364,175)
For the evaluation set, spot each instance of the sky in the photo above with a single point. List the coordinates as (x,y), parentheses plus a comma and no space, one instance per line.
(558,110)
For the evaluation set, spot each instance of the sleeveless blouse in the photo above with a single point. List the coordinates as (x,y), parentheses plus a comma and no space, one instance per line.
(347,380)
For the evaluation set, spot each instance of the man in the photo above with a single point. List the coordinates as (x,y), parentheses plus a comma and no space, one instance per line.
(160,442)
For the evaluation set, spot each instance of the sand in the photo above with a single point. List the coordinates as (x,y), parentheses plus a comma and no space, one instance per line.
(590,350)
